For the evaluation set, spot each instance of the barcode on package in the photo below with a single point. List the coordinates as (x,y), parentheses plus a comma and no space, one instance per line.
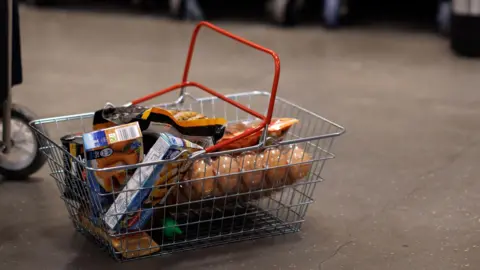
(127,133)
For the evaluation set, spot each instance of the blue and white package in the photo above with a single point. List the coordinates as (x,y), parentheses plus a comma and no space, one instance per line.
(147,187)
(108,148)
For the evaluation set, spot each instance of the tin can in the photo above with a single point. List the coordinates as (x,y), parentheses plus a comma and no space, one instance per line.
(73,175)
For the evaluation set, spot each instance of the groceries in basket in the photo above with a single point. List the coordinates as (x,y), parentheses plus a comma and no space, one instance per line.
(252,166)
(227,172)
(276,132)
(204,127)
(149,139)
(129,197)
(275,159)
(189,125)
(283,166)
(74,173)
(150,184)
(203,141)
(130,246)
(120,115)
(268,170)
(199,182)
(300,162)
(125,114)
(107,148)
(206,178)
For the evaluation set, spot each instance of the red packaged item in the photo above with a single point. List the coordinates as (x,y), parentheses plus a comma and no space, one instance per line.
(276,131)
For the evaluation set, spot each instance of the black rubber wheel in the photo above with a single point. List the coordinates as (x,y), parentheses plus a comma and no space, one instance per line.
(24,116)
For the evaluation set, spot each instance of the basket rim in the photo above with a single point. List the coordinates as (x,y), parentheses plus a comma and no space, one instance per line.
(48,120)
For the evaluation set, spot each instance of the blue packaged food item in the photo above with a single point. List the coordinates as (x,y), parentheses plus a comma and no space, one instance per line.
(150,184)
(107,148)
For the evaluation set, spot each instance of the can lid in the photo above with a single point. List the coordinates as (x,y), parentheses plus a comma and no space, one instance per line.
(78,139)
(72,137)
(69,137)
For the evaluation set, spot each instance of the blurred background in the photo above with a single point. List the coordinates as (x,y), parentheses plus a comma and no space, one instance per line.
(429,15)
(401,76)
(330,13)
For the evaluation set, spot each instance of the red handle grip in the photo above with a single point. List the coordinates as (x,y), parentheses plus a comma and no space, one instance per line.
(266,119)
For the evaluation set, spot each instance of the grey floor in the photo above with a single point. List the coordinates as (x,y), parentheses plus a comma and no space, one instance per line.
(403,192)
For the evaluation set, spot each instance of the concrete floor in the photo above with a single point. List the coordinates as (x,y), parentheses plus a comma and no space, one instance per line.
(403,192)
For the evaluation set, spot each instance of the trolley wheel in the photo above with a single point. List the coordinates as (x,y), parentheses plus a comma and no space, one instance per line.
(284,12)
(444,17)
(331,12)
(24,157)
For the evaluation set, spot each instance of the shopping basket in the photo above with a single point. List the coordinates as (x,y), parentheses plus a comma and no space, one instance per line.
(180,225)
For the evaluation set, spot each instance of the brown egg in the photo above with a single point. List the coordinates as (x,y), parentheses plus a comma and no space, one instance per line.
(200,187)
(277,176)
(225,165)
(297,155)
(248,162)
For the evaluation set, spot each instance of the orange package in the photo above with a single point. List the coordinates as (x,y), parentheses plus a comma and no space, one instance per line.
(131,245)
(107,148)
(277,130)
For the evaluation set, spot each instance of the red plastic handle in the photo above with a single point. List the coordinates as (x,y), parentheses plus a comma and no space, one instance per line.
(266,119)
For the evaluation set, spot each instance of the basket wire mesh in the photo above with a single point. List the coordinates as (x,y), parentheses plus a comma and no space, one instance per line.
(237,215)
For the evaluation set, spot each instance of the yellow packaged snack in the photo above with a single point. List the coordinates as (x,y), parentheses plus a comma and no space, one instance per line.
(276,131)
(130,246)
(187,123)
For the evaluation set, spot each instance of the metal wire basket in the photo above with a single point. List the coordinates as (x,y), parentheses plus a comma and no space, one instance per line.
(242,213)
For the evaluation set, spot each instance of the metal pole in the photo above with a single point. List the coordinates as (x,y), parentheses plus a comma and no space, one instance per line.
(7,106)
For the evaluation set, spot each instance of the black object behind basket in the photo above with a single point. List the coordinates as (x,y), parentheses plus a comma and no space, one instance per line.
(16,55)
